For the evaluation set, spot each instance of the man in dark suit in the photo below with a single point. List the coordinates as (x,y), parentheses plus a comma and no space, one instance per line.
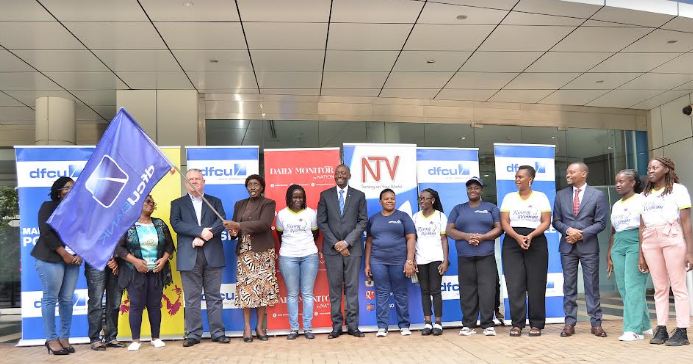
(200,258)
(342,218)
(579,214)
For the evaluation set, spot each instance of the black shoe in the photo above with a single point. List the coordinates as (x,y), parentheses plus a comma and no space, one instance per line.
(678,338)
(264,337)
(334,334)
(293,334)
(437,329)
(356,333)
(222,339)
(115,344)
(661,336)
(427,330)
(188,342)
(67,347)
(309,335)
(62,350)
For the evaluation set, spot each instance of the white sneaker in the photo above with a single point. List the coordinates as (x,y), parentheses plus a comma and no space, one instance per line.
(405,331)
(648,332)
(134,346)
(630,336)
(158,343)
(465,331)
(489,331)
(381,333)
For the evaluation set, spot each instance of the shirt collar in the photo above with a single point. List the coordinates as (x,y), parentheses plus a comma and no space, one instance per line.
(343,189)
(195,198)
(582,188)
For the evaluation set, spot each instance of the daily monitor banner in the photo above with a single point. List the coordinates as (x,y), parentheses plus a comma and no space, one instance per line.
(447,170)
(508,158)
(313,169)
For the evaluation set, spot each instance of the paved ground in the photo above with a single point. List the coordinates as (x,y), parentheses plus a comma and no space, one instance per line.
(449,348)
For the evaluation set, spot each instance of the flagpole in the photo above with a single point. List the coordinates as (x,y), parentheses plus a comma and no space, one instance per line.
(202,195)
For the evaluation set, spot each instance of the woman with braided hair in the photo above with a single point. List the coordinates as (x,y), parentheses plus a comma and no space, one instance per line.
(666,249)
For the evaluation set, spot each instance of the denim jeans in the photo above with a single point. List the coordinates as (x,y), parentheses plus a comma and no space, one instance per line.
(58,282)
(390,278)
(299,273)
(98,282)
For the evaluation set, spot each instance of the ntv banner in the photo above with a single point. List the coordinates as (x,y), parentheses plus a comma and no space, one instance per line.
(375,167)
(225,170)
(508,158)
(446,170)
(37,169)
(313,169)
(172,325)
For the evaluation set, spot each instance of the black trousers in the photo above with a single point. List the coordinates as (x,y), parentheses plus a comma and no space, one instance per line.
(145,291)
(525,276)
(477,277)
(430,280)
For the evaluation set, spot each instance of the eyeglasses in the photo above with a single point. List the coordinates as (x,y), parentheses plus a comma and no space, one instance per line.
(150,202)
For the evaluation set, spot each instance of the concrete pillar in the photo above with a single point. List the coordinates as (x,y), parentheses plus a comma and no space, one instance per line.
(55,121)
(168,116)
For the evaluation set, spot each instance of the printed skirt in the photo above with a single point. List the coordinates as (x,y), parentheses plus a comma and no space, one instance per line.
(256,284)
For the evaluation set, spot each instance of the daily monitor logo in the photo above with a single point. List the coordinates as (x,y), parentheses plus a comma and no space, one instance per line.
(377,166)
(107,181)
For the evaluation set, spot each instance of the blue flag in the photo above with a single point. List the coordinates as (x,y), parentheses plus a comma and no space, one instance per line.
(110,191)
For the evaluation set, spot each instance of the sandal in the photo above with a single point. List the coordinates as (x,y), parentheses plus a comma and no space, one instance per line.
(535,331)
(516,331)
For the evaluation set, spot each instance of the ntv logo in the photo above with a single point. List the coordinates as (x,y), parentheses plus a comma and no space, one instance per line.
(367,164)
(539,167)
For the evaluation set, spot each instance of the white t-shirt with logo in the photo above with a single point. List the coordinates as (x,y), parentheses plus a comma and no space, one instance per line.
(525,212)
(658,209)
(297,232)
(428,231)
(625,214)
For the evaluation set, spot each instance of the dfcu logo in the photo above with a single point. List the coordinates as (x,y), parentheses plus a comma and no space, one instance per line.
(461,170)
(539,167)
(366,165)
(72,171)
(106,182)
(235,169)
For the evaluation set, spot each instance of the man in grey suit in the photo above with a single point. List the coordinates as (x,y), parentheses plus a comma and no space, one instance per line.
(342,218)
(579,214)
(200,258)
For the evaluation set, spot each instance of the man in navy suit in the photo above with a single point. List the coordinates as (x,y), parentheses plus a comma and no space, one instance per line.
(342,218)
(579,214)
(200,258)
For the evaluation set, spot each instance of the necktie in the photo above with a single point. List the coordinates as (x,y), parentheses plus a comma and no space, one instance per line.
(341,202)
(576,202)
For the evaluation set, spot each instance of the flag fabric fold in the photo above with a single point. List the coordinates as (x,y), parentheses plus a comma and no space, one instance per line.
(107,197)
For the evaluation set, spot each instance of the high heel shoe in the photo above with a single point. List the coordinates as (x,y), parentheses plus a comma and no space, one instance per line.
(264,337)
(248,338)
(69,347)
(62,350)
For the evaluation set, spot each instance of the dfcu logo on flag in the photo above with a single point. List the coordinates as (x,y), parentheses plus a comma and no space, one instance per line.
(107,181)
(106,201)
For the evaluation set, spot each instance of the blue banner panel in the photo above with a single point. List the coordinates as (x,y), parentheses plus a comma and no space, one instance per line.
(37,168)
(225,170)
(446,170)
(508,157)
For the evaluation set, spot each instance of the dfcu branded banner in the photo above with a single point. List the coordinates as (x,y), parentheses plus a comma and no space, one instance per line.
(37,169)
(375,167)
(446,170)
(225,170)
(313,169)
(508,158)
(172,327)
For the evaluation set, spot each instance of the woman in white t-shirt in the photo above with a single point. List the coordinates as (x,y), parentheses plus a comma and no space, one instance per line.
(297,228)
(623,254)
(525,215)
(667,246)
(431,257)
